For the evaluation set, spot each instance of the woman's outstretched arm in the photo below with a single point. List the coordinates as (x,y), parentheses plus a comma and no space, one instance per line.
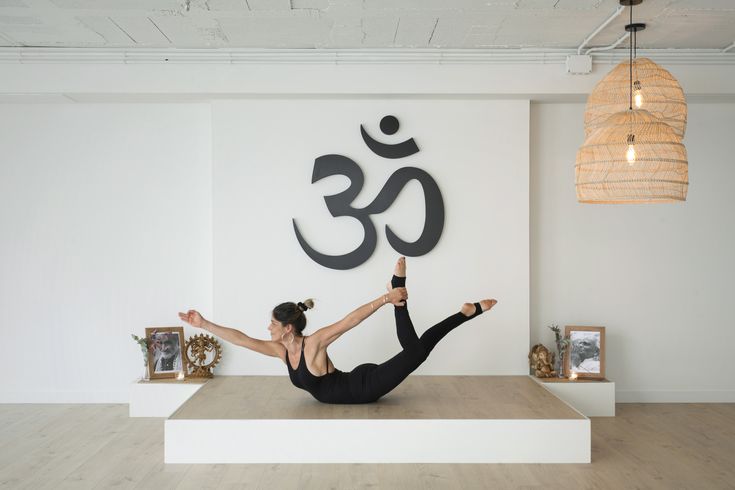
(326,335)
(267,347)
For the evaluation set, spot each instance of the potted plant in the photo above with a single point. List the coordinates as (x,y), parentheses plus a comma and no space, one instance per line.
(143,343)
(562,343)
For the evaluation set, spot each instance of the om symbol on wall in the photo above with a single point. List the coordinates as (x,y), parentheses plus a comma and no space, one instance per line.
(341,204)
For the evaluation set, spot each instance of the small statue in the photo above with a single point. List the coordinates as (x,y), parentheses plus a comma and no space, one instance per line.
(197,348)
(541,361)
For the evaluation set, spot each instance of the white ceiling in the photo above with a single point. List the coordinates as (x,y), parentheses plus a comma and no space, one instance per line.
(337,24)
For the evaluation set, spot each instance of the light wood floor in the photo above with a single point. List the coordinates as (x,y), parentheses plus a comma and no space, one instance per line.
(663,446)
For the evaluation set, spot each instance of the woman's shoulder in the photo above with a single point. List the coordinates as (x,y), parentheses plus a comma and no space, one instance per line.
(313,343)
(317,338)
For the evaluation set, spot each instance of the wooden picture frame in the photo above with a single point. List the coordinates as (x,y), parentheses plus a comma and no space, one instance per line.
(585,355)
(164,361)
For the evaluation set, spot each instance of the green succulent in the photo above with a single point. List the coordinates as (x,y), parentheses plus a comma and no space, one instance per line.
(562,342)
(143,343)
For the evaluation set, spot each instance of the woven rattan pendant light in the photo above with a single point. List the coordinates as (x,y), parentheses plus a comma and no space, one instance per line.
(613,168)
(654,89)
(633,157)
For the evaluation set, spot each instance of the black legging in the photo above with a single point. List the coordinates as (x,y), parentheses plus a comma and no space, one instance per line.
(380,379)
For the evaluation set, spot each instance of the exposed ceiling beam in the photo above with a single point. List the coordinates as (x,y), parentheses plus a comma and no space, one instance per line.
(347,56)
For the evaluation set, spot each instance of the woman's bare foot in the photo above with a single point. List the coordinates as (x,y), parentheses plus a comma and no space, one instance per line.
(400,270)
(469,309)
(399,275)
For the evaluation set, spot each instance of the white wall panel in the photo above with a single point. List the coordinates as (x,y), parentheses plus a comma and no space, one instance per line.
(476,150)
(106,230)
(657,276)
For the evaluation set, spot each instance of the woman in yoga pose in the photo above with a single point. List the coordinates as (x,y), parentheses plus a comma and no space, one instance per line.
(315,373)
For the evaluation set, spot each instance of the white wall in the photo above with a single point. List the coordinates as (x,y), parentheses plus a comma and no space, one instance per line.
(106,230)
(97,75)
(477,152)
(100,204)
(658,277)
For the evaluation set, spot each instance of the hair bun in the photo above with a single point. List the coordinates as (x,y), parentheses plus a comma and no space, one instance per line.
(306,305)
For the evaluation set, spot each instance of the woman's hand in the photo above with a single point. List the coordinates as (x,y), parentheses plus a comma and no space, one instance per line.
(193,318)
(397,296)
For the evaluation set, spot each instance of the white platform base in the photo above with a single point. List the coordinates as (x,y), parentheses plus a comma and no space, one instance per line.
(591,398)
(377,441)
(428,419)
(160,398)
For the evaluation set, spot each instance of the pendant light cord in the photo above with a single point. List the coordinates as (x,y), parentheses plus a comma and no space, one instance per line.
(630,68)
(635,43)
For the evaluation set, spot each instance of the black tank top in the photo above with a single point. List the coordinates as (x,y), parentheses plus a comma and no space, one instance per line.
(331,388)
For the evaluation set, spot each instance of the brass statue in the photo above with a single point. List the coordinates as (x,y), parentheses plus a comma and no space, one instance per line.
(197,348)
(541,360)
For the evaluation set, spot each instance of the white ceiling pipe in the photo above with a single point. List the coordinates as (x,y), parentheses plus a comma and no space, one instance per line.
(602,26)
(612,46)
(728,48)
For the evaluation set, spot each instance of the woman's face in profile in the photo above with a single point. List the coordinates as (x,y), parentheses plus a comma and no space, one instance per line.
(276,329)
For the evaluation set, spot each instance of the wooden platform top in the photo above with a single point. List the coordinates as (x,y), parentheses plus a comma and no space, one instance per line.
(573,381)
(173,381)
(418,397)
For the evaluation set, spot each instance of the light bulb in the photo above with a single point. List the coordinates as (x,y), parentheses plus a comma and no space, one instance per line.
(637,94)
(638,98)
(630,155)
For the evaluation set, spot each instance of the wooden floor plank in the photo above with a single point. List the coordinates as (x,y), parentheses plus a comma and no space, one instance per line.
(162,476)
(59,440)
(651,446)
(123,462)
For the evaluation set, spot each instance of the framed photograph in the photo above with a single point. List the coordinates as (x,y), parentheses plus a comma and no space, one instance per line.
(166,351)
(586,352)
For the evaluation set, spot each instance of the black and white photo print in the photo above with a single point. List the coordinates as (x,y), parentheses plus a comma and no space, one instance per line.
(586,355)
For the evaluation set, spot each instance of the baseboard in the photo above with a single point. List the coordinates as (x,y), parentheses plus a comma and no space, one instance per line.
(76,397)
(675,396)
